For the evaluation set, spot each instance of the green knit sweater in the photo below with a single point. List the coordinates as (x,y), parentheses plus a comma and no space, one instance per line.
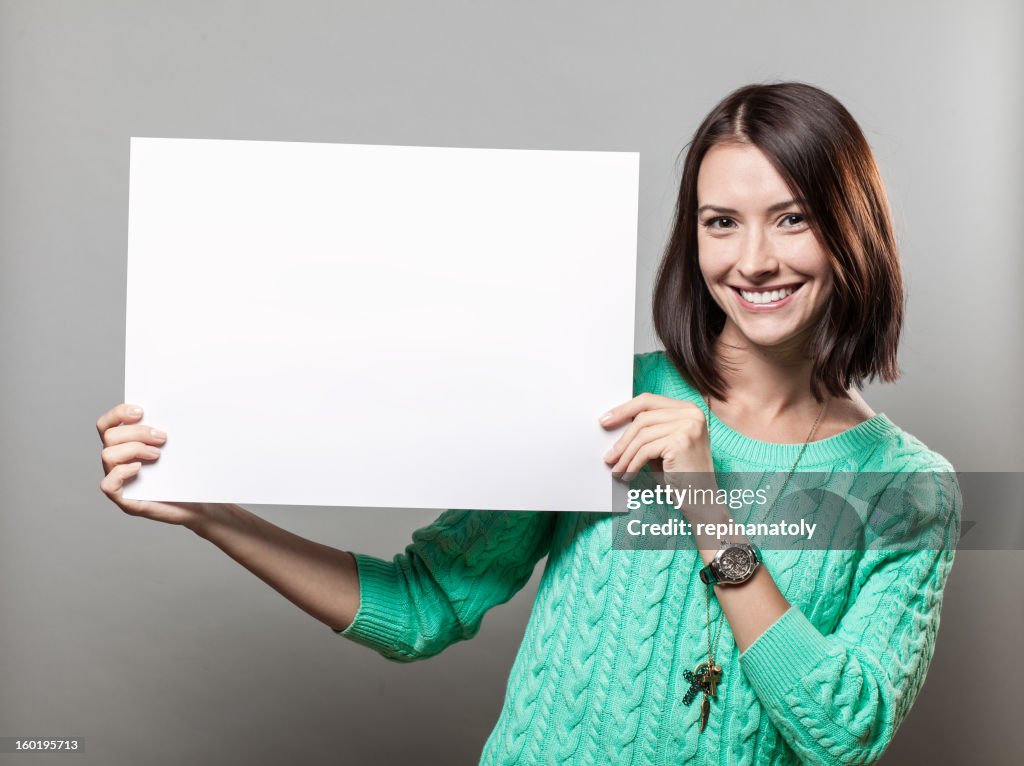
(598,676)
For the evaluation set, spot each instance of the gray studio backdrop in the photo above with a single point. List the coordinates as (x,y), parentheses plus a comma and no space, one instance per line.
(156,648)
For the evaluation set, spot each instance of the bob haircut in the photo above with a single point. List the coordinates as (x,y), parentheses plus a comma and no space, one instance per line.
(819,150)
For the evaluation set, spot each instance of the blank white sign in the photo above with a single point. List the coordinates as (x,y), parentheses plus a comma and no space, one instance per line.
(380,326)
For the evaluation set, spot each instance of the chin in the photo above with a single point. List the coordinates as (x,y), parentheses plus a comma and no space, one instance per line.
(772,339)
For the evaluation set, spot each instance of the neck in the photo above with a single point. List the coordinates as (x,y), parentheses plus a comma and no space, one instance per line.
(765,382)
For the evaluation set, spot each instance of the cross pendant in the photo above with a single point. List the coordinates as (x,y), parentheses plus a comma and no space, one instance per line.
(703,678)
(697,684)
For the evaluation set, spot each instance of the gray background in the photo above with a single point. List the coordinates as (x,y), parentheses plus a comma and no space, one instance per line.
(155,647)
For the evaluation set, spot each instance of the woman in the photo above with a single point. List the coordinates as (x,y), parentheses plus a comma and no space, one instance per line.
(779,293)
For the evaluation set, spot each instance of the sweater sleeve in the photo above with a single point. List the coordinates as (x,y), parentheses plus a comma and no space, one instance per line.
(838,698)
(437,591)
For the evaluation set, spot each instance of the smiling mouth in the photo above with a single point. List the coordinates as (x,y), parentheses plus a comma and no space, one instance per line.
(764,296)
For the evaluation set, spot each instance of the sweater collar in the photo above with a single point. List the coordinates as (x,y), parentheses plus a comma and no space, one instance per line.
(850,443)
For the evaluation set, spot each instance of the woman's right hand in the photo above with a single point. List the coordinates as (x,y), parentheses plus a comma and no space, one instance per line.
(126,444)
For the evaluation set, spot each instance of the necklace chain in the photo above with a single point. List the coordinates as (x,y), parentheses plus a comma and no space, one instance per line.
(712,647)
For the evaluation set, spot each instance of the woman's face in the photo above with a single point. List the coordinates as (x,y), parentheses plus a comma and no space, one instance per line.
(760,259)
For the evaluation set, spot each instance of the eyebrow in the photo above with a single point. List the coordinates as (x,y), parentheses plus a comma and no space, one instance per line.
(772,209)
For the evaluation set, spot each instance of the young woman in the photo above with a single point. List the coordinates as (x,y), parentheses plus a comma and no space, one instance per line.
(778,295)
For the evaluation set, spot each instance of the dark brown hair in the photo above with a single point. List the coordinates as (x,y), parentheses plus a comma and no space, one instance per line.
(819,150)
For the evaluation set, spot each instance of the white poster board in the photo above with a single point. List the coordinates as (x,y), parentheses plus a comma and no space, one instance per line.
(379,326)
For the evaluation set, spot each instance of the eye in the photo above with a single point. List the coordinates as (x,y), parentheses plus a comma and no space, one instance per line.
(719,222)
(793,221)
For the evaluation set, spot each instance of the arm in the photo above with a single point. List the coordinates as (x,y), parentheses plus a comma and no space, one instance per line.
(410,608)
(839,698)
(317,578)
(437,591)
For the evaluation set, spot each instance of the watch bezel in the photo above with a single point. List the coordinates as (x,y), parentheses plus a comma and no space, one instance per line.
(753,559)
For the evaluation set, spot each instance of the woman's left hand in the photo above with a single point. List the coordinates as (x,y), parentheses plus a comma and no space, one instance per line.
(670,434)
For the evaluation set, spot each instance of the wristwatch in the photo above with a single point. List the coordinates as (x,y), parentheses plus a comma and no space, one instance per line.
(733,564)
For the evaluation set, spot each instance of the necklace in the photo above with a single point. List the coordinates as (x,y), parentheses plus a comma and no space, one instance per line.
(704,678)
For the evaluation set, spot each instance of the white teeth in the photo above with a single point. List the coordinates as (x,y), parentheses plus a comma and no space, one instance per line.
(766,297)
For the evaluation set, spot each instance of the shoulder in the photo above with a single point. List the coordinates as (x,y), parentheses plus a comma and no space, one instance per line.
(904,452)
(654,372)
(919,490)
(646,369)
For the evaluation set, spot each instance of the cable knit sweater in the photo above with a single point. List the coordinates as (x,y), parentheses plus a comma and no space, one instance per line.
(598,676)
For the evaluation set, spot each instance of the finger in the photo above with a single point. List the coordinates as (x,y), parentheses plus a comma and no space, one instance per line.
(113,482)
(616,416)
(644,436)
(644,419)
(126,453)
(122,413)
(647,452)
(137,433)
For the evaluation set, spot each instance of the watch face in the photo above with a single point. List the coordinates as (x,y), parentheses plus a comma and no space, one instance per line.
(736,564)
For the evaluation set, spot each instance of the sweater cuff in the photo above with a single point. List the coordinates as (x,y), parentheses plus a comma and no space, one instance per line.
(374,624)
(784,654)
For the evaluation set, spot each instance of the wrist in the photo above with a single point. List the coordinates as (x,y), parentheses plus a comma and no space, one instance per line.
(734,563)
(708,514)
(212,516)
(708,527)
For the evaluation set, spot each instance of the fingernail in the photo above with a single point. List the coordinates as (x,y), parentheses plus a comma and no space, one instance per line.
(606,417)
(135,411)
(157,434)
(608,454)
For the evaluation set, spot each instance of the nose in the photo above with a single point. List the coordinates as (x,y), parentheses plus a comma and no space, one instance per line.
(757,255)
